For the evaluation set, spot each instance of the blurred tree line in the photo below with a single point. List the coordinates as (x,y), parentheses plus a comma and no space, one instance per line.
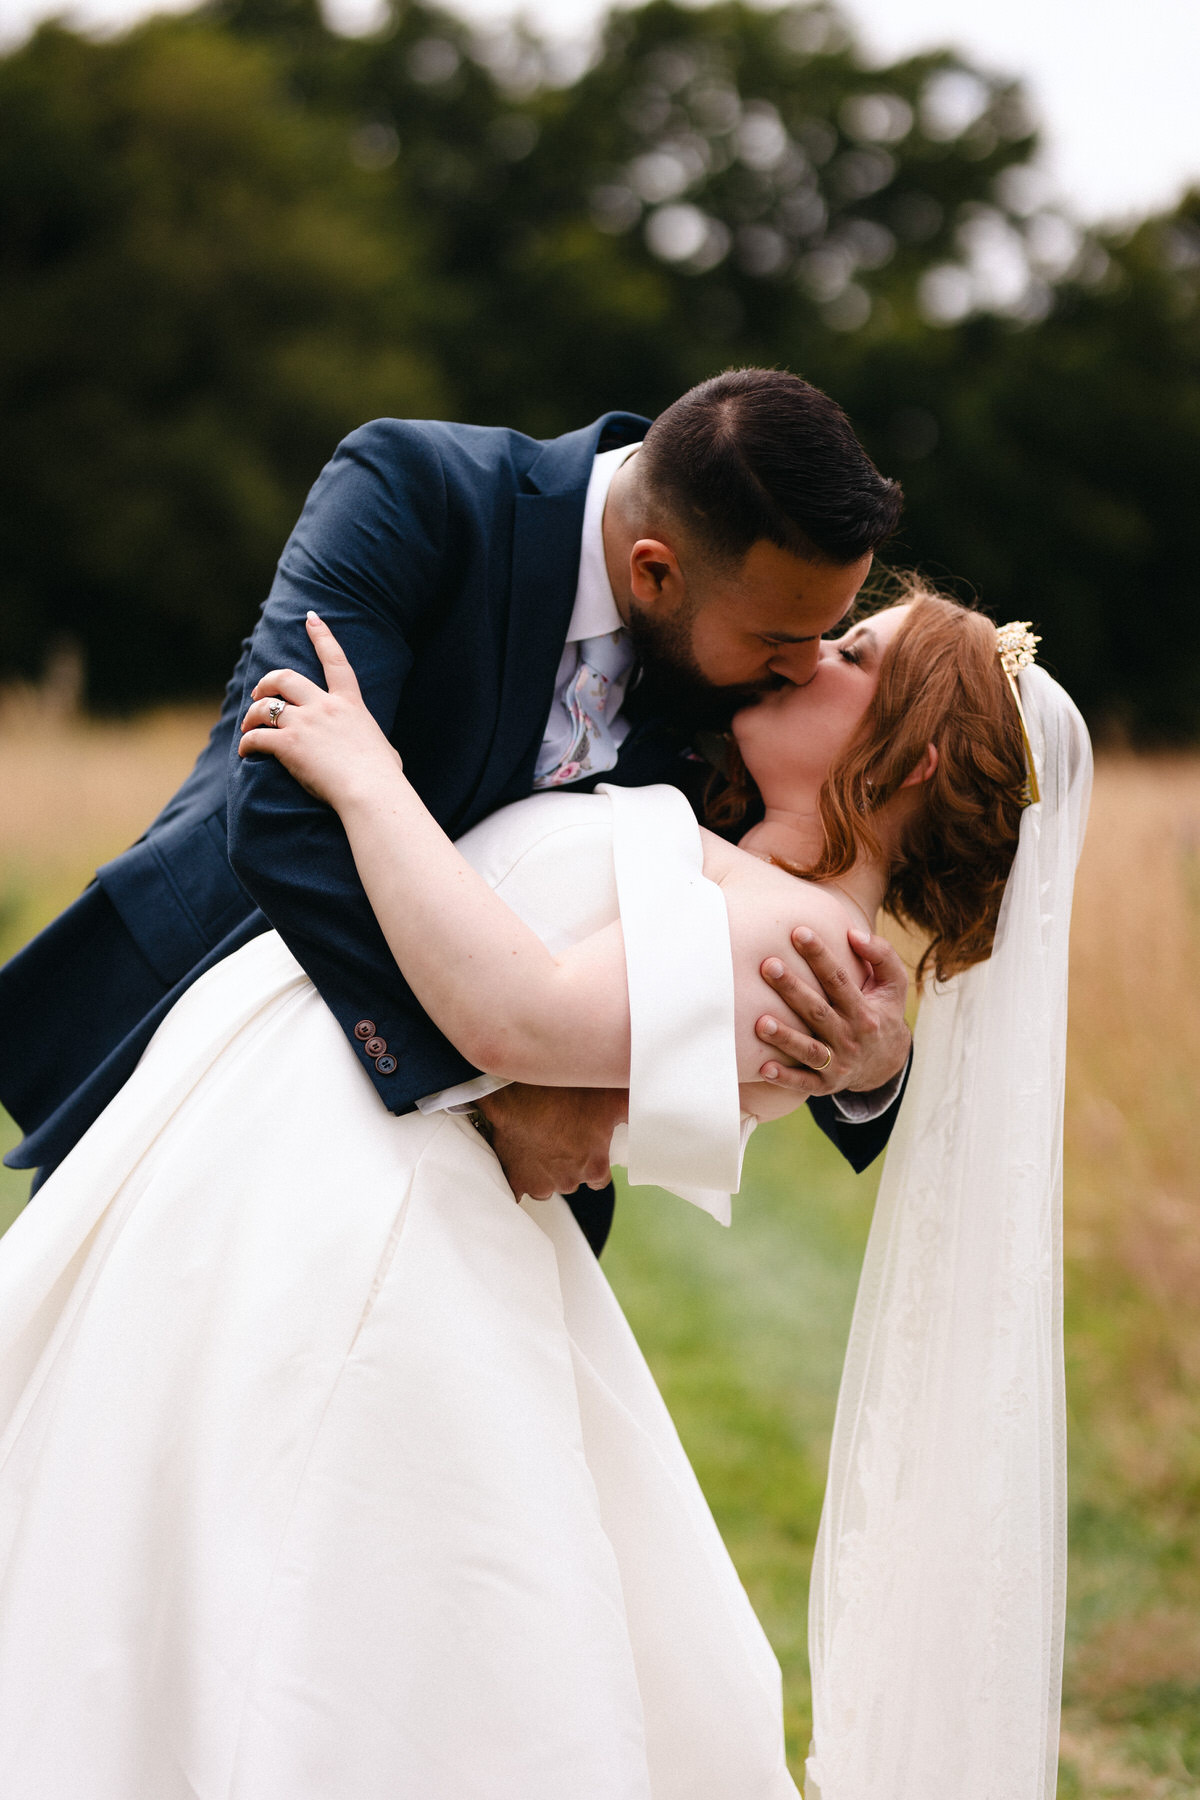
(227,239)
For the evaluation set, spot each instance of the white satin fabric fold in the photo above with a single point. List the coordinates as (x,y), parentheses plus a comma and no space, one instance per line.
(327,1472)
(937,1603)
(686,1130)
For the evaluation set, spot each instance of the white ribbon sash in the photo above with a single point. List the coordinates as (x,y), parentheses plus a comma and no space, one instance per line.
(685,1128)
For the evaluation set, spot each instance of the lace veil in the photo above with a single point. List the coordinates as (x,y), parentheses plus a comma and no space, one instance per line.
(936,1614)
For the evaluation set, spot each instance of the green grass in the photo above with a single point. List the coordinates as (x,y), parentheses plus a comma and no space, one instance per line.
(14,1183)
(745,1330)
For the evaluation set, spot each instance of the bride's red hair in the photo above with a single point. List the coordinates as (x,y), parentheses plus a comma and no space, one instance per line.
(940,682)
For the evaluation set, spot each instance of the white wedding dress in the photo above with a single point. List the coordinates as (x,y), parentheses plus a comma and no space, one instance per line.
(327,1472)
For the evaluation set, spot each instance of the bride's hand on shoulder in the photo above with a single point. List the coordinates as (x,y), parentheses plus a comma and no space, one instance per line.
(326,738)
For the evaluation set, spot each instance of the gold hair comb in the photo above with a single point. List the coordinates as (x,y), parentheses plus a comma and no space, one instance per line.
(1017,646)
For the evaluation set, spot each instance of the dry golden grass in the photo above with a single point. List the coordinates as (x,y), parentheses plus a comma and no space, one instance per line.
(1133,1123)
(1137,932)
(1133,1118)
(1133,1287)
(73,792)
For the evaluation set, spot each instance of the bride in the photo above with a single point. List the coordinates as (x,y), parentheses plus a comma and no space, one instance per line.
(327,1473)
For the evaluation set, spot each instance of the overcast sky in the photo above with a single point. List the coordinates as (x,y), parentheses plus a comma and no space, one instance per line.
(1116,82)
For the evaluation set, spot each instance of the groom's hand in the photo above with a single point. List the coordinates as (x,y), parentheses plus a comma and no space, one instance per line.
(862,1032)
(551,1140)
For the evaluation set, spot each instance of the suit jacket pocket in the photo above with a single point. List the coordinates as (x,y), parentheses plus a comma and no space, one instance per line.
(176,894)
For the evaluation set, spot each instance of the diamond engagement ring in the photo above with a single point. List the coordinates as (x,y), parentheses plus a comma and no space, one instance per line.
(274,709)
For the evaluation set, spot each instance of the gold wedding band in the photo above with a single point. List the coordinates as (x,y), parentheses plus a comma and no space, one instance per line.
(821,1067)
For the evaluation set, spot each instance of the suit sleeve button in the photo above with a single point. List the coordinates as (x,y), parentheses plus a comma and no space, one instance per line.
(364,1029)
(386,1065)
(375,1046)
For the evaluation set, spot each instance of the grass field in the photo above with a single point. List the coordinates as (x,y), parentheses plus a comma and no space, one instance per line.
(745,1328)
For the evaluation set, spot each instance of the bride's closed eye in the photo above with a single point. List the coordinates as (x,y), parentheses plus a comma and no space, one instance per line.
(850,653)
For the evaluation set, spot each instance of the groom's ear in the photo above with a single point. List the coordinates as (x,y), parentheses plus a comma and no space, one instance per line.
(924,768)
(654,574)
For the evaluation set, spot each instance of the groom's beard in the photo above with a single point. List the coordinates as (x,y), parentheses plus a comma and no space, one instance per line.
(670,686)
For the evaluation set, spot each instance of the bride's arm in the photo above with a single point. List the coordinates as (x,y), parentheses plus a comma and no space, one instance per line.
(560,1021)
(489,983)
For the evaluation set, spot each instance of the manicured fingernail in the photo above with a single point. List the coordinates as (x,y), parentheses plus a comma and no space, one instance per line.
(312,618)
(773,968)
(769,1027)
(803,935)
(860,937)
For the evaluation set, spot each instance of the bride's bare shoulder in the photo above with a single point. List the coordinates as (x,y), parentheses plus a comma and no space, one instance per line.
(765,905)
(764,898)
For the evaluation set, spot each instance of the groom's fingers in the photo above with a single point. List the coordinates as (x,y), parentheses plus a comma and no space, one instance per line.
(864,1027)
(811,1055)
(831,1011)
(837,985)
(887,970)
(832,1020)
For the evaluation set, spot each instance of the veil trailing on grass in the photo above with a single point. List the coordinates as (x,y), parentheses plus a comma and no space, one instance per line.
(936,1615)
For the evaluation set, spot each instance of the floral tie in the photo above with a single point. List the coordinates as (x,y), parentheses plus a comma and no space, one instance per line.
(592,698)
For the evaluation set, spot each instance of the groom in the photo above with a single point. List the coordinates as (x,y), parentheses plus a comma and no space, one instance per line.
(521,615)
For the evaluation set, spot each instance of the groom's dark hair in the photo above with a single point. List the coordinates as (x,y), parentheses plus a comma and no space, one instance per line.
(760,454)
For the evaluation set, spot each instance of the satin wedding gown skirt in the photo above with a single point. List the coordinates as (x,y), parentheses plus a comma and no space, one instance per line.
(327,1471)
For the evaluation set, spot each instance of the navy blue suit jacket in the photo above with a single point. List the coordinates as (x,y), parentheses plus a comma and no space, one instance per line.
(445,559)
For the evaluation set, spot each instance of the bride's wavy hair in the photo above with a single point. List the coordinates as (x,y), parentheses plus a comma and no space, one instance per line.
(940,682)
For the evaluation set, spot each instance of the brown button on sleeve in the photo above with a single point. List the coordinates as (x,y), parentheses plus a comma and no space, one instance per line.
(364,1029)
(386,1065)
(375,1046)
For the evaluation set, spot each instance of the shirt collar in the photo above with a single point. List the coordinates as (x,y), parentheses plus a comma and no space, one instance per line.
(595,610)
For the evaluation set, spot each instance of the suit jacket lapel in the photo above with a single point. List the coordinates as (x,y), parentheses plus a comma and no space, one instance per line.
(547,531)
